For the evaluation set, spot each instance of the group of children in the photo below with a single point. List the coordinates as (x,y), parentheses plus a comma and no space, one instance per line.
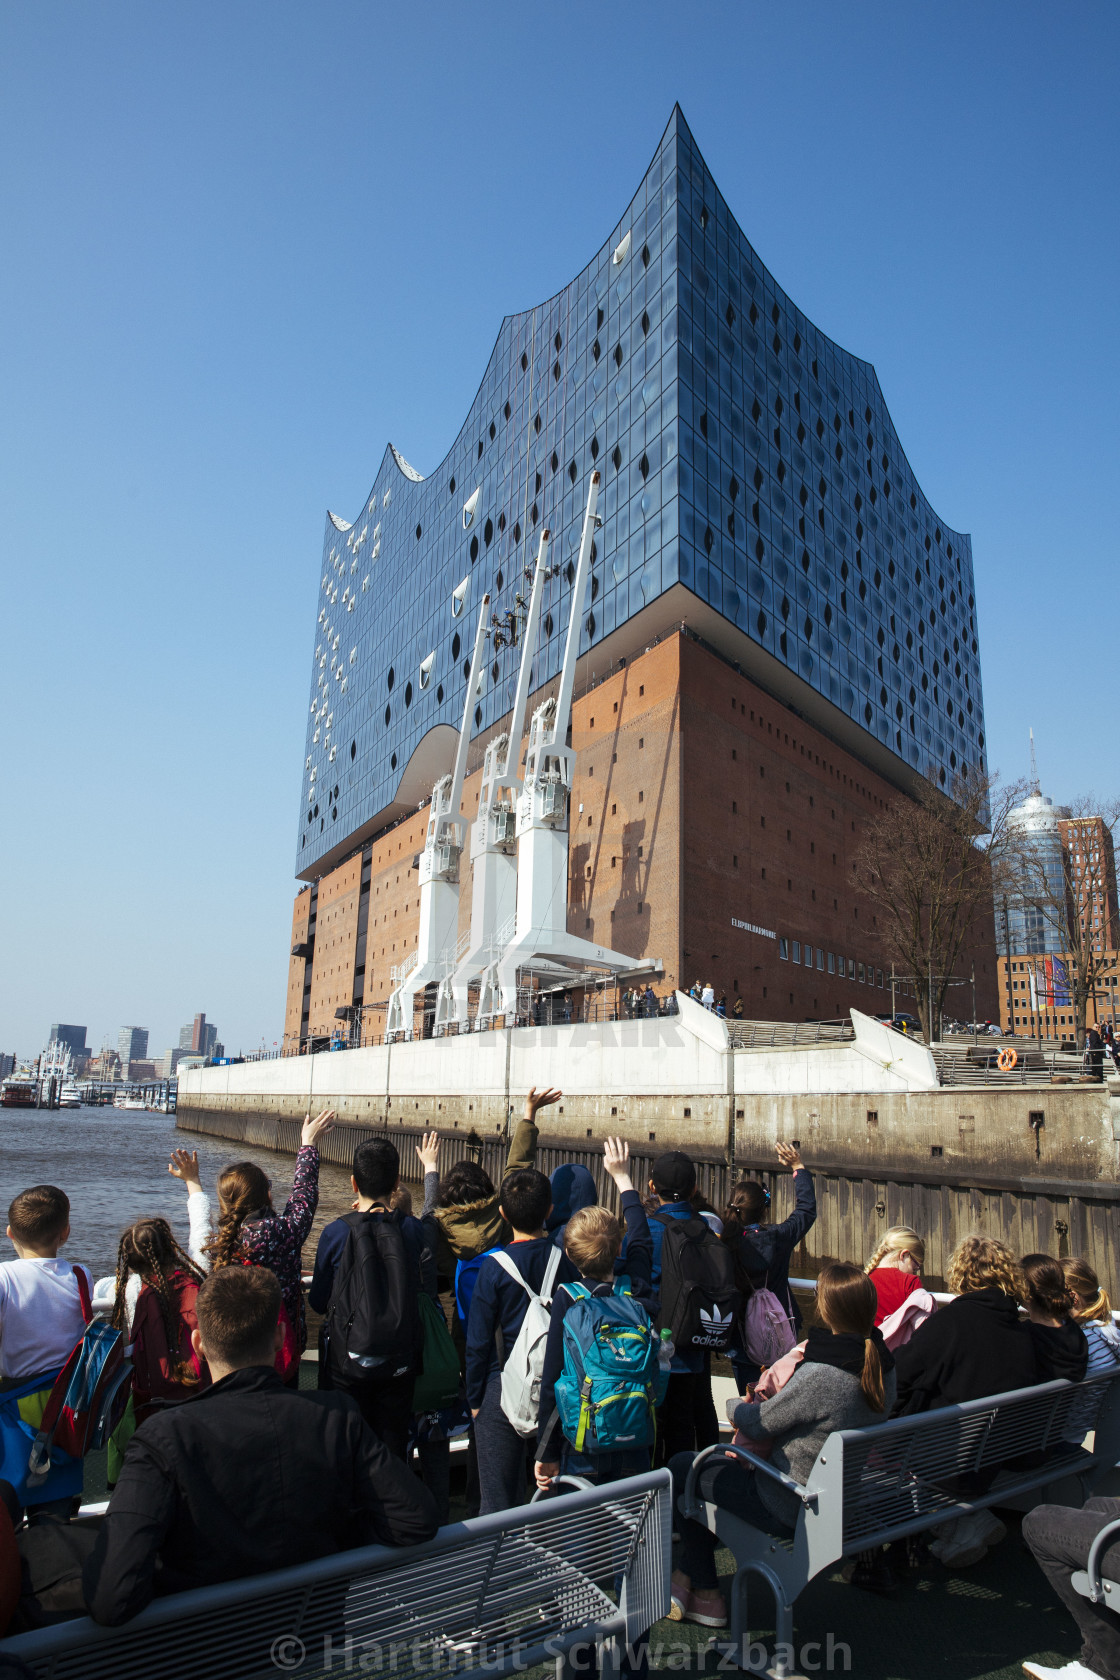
(579,1341)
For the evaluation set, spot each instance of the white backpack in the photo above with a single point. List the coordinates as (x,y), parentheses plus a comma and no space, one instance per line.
(524,1368)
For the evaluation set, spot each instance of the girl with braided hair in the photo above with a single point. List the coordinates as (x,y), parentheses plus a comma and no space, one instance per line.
(895,1268)
(156,1286)
(251,1232)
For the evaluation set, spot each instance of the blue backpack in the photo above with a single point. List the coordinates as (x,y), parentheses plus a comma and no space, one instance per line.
(612,1377)
(466,1276)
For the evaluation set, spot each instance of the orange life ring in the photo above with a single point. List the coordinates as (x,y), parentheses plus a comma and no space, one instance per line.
(1007,1059)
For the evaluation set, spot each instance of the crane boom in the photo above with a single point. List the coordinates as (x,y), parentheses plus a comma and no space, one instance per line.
(575,622)
(458,771)
(528,648)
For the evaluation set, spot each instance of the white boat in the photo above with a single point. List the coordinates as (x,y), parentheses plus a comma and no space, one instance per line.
(130,1102)
(70,1096)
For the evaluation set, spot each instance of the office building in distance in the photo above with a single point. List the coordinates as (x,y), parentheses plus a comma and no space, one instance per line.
(1076,867)
(778,635)
(132,1046)
(74,1039)
(199,1038)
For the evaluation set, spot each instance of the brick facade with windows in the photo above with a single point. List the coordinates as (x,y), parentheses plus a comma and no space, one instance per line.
(710,826)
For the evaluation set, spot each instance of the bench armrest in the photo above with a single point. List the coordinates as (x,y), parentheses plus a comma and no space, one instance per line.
(1096,1553)
(690,1505)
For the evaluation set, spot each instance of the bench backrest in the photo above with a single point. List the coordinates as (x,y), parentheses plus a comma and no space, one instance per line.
(894,1478)
(488,1596)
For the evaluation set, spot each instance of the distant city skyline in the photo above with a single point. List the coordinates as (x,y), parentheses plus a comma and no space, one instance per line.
(254,298)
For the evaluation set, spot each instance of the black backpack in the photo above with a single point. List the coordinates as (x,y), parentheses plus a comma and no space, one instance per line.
(700,1301)
(372,1327)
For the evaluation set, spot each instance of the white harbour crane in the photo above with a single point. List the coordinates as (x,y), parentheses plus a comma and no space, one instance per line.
(540,939)
(494,839)
(435,952)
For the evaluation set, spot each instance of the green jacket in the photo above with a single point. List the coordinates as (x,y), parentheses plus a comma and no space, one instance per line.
(473,1227)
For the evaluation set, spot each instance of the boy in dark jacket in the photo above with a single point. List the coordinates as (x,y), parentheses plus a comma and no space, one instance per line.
(497,1313)
(555,1455)
(386,1405)
(199,1499)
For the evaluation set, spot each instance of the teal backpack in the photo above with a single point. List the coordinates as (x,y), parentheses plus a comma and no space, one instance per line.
(612,1377)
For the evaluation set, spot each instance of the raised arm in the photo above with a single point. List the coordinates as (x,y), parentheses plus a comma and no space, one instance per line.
(804,1214)
(184,1165)
(523,1144)
(299,1209)
(427,1153)
(638,1264)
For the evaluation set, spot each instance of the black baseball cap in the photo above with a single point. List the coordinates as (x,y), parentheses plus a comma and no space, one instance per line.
(673,1175)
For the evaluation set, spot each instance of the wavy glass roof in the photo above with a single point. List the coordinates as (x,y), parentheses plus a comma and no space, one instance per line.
(753,485)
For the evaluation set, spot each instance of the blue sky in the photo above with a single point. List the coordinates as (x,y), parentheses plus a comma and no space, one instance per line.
(245,244)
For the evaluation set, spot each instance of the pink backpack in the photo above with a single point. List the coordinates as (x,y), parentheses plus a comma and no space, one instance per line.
(767,1328)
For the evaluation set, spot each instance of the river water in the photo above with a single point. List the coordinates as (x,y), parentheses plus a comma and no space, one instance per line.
(112,1163)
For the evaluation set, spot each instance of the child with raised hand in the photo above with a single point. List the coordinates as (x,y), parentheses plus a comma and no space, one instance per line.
(183,1165)
(251,1232)
(593,1242)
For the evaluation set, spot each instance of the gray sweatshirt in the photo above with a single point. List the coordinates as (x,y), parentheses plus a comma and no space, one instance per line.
(816,1400)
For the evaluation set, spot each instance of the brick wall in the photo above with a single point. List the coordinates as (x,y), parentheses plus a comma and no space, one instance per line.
(703,811)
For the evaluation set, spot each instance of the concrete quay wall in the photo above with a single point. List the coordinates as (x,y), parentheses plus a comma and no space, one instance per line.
(886,1143)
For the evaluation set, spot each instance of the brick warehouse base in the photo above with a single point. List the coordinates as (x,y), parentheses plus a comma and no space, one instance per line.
(711,827)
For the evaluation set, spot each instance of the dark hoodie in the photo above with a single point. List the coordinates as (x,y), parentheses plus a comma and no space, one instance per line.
(572,1188)
(1060,1350)
(975,1346)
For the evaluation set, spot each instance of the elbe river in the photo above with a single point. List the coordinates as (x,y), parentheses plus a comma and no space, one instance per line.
(112,1163)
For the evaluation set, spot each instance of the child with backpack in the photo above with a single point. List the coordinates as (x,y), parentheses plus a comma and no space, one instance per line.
(507,1327)
(603,1373)
(156,1287)
(693,1275)
(370,1269)
(762,1253)
(41,1320)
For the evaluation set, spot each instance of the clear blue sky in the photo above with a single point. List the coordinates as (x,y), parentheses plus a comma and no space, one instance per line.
(245,244)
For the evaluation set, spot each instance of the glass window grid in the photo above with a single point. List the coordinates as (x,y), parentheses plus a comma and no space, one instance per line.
(691,362)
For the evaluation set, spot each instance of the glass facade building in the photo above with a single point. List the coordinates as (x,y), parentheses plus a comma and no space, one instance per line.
(753,484)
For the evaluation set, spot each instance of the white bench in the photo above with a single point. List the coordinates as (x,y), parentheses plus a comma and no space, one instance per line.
(871,1486)
(489,1596)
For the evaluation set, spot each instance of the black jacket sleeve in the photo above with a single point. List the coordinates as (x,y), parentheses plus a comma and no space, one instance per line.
(119,1575)
(804,1215)
(392,1505)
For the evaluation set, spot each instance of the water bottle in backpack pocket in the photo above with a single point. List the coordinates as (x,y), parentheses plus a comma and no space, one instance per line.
(373,1330)
(700,1299)
(613,1376)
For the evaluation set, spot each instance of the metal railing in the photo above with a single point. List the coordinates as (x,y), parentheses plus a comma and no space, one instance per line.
(977,1065)
(763,1035)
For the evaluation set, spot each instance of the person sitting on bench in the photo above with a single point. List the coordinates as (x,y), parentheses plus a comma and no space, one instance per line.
(1060,1537)
(249,1475)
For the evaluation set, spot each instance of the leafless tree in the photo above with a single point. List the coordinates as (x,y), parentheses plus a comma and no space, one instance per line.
(1076,905)
(928,865)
